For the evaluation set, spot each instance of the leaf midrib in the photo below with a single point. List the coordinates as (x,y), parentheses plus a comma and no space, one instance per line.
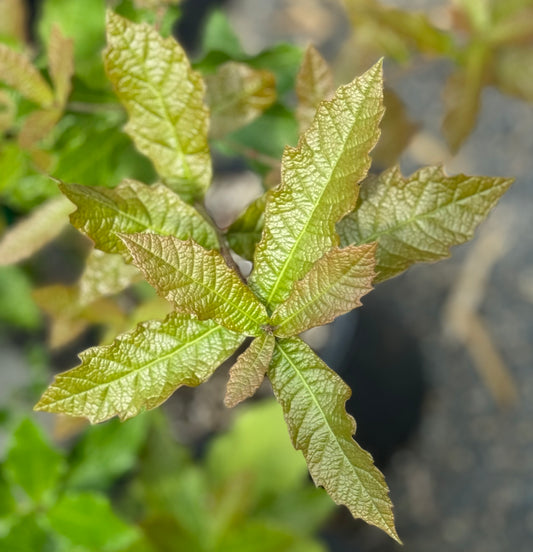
(332,433)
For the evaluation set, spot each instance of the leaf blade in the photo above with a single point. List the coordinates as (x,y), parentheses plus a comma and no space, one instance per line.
(318,187)
(312,397)
(164,99)
(140,369)
(333,286)
(134,207)
(17,71)
(197,281)
(417,219)
(248,372)
(61,62)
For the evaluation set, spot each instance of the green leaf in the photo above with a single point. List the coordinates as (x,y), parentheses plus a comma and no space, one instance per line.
(87,519)
(319,186)
(17,307)
(17,71)
(83,21)
(314,83)
(32,463)
(197,281)
(245,232)
(61,63)
(33,232)
(133,207)
(106,452)
(236,95)
(247,374)
(418,219)
(164,98)
(312,397)
(333,286)
(140,369)
(257,445)
(218,35)
(27,535)
(7,501)
(104,274)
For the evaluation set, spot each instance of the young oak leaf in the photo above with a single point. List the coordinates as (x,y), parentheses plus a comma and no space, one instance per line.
(237,94)
(312,397)
(133,207)
(163,96)
(244,233)
(197,281)
(17,71)
(36,230)
(333,286)
(314,83)
(140,369)
(319,186)
(418,219)
(247,374)
(104,274)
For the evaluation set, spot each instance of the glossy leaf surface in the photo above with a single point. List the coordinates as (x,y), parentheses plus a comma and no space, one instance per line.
(312,397)
(140,369)
(197,281)
(319,186)
(418,219)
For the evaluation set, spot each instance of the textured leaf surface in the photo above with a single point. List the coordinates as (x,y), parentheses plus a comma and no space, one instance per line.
(105,274)
(319,186)
(133,207)
(197,281)
(140,369)
(247,374)
(418,219)
(333,286)
(237,94)
(35,231)
(245,232)
(314,83)
(312,397)
(31,462)
(17,71)
(61,63)
(164,98)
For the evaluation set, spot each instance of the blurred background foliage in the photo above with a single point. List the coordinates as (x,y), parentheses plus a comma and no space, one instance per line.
(133,486)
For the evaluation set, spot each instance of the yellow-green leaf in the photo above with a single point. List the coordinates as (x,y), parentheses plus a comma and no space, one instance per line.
(245,232)
(134,207)
(104,274)
(197,281)
(35,231)
(313,400)
(61,63)
(319,186)
(314,83)
(333,286)
(140,369)
(247,374)
(163,96)
(237,94)
(418,219)
(17,71)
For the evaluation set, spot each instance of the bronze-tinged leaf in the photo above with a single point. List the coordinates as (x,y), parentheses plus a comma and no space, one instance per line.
(248,372)
(319,186)
(418,219)
(37,126)
(197,281)
(333,286)
(17,71)
(61,63)
(140,369)
(314,83)
(163,96)
(313,399)
(236,95)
